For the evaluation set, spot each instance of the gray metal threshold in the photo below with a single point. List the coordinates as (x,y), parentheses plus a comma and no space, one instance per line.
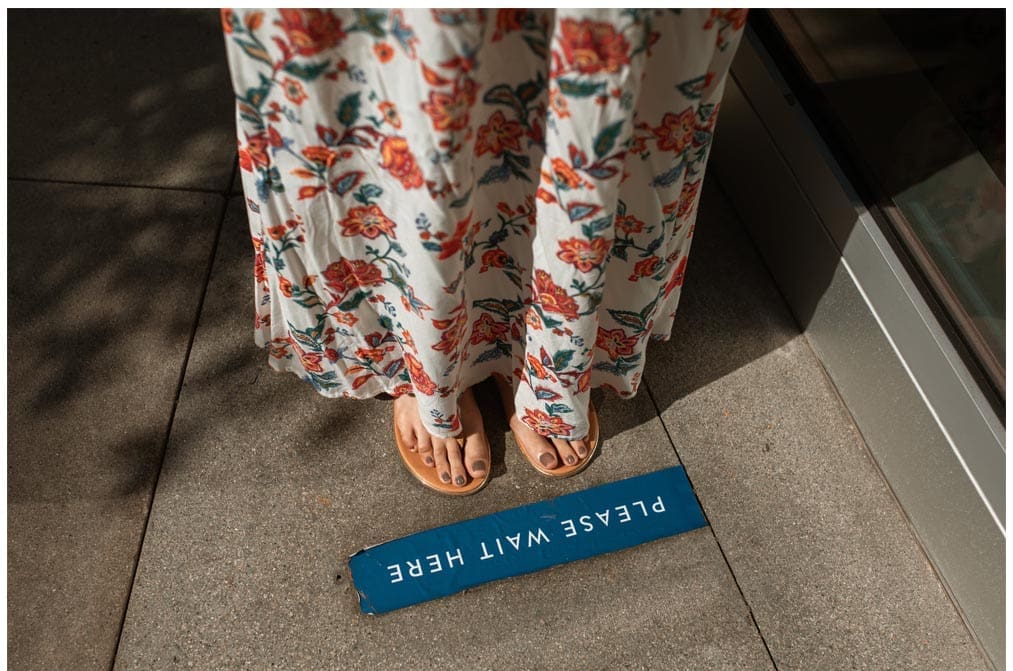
(932,433)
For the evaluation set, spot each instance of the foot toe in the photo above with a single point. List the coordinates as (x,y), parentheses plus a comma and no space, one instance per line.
(580,447)
(476,455)
(458,473)
(548,459)
(566,453)
(440,457)
(425,447)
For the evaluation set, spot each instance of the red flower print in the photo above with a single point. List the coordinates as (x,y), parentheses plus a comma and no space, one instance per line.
(274,137)
(408,341)
(629,224)
(498,135)
(564,175)
(583,254)
(255,152)
(676,131)
(545,196)
(677,277)
(451,332)
(639,144)
(389,112)
(735,17)
(545,424)
(254,19)
(374,354)
(346,318)
(344,275)
(615,342)
(449,111)
(593,46)
(320,154)
(558,103)
(645,268)
(383,51)
(310,360)
(552,297)
(227,17)
(294,90)
(584,381)
(339,278)
(423,383)
(310,31)
(455,242)
(509,20)
(538,370)
(401,390)
(533,321)
(285,285)
(369,221)
(487,329)
(366,274)
(260,268)
(494,258)
(399,161)
(687,198)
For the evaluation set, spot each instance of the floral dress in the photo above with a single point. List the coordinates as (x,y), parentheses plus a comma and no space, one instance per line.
(436,196)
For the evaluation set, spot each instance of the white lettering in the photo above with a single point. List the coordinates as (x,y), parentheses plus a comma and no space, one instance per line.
(395,573)
(515,541)
(569,528)
(585,521)
(434,563)
(658,506)
(537,539)
(643,508)
(605,519)
(415,568)
(624,514)
(452,557)
(485,553)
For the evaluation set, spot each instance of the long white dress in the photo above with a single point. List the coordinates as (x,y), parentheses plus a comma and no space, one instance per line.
(436,196)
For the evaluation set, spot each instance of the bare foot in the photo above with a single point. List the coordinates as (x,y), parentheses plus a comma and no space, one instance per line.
(452,464)
(550,452)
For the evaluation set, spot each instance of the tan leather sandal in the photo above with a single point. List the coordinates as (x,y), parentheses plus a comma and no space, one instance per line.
(427,474)
(562,470)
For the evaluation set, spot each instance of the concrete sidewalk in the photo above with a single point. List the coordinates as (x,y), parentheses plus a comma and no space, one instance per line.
(173,503)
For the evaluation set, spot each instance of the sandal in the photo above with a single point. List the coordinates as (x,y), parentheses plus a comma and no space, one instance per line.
(561,471)
(427,474)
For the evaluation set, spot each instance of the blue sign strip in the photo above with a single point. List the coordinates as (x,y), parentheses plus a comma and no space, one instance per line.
(446,560)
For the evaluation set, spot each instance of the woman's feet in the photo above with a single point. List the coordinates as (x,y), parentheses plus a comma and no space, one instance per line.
(565,456)
(452,465)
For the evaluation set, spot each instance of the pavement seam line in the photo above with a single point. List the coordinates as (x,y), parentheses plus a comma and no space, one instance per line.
(706,517)
(226,198)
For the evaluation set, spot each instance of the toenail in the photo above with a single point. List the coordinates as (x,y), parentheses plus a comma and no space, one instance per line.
(445,477)
(581,451)
(459,479)
(546,459)
(478,465)
(569,458)
(429,461)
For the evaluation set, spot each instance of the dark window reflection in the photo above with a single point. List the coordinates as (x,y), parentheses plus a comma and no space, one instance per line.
(919,98)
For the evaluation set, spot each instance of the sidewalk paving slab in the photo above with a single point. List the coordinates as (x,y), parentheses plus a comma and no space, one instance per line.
(821,549)
(267,488)
(104,285)
(134,97)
